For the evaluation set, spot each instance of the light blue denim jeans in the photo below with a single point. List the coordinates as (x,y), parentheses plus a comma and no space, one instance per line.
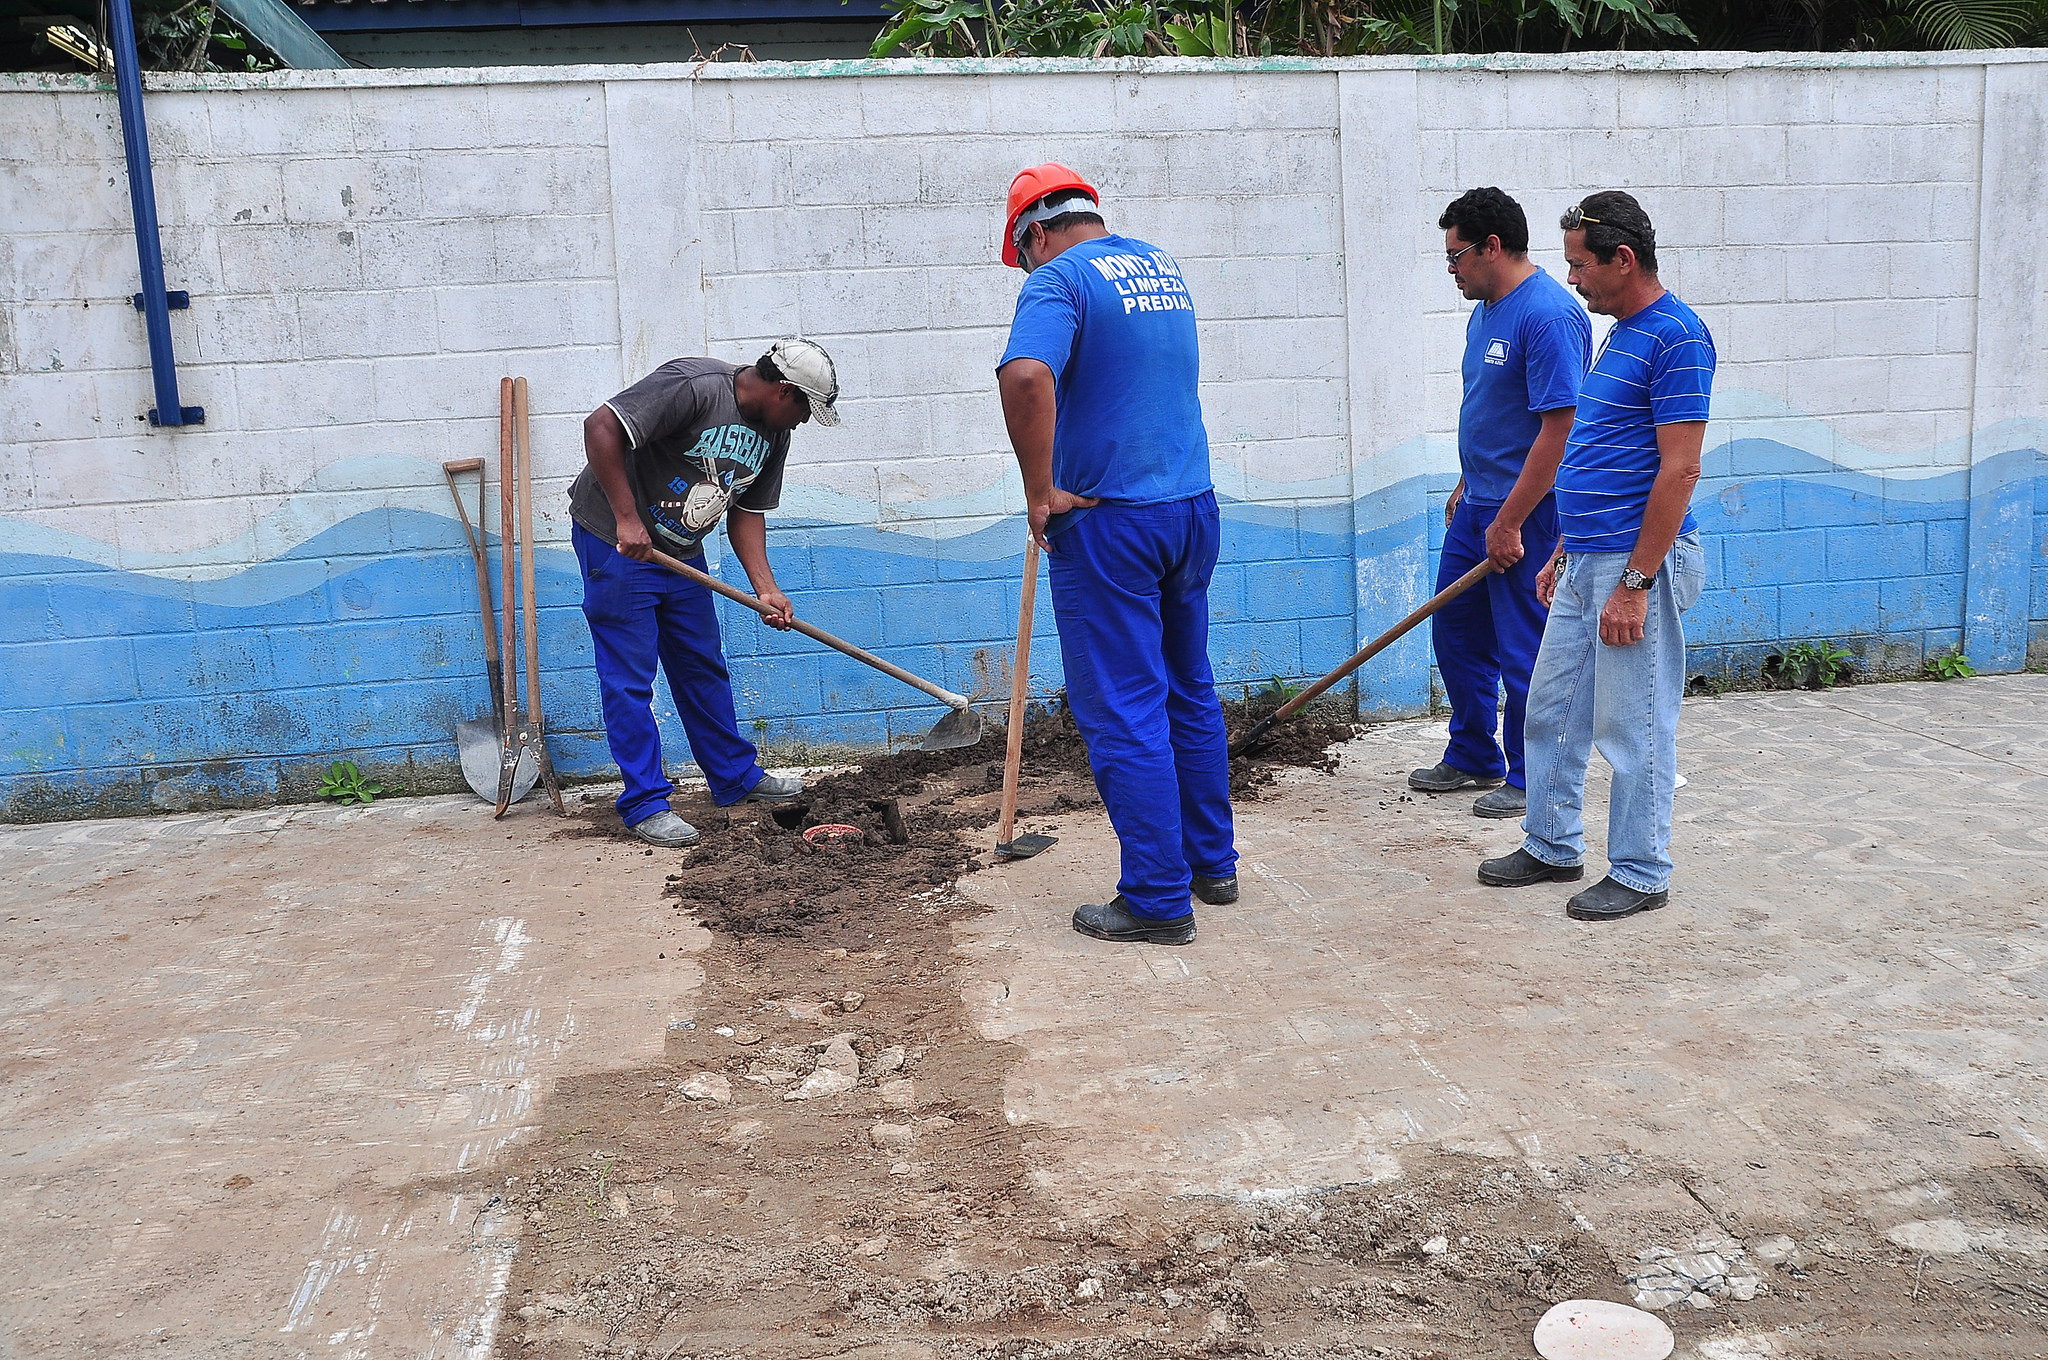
(1625,699)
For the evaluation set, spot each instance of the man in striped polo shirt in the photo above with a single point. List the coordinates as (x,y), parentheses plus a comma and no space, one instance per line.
(1611,669)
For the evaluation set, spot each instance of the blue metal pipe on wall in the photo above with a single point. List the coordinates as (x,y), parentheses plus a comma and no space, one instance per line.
(155,299)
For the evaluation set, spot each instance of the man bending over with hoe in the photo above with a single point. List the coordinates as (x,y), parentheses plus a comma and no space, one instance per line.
(1099,392)
(695,441)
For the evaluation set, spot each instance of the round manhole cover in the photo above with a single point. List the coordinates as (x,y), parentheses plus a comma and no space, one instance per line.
(1594,1329)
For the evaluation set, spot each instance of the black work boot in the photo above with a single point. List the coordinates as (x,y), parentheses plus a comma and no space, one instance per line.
(1610,901)
(1521,869)
(1443,778)
(1114,921)
(1217,892)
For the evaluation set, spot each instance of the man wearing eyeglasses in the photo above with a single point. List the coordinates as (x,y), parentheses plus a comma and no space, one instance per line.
(1527,345)
(1611,669)
(694,442)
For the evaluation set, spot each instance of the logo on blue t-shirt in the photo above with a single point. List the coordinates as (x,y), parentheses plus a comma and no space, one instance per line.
(1497,352)
(1111,317)
(732,444)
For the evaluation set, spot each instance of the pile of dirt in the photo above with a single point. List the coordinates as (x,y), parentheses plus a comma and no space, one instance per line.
(755,873)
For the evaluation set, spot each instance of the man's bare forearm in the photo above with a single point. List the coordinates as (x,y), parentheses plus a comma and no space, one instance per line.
(1678,473)
(747,531)
(605,448)
(1030,405)
(1539,469)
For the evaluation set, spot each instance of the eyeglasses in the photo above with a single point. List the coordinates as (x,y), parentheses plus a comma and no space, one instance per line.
(1451,257)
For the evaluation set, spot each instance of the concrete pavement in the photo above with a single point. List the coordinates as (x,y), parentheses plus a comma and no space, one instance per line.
(260,1070)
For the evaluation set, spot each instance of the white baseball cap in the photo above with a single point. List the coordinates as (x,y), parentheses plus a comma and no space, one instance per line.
(805,365)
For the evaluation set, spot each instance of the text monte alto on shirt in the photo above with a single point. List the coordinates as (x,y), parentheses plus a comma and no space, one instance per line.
(1146,284)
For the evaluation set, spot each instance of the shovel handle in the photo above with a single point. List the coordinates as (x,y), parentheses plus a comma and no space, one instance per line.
(1020,685)
(1365,654)
(718,587)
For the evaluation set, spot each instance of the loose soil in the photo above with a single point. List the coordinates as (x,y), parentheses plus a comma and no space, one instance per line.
(696,1208)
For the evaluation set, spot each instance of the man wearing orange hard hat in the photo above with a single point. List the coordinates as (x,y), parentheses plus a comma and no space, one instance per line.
(1099,388)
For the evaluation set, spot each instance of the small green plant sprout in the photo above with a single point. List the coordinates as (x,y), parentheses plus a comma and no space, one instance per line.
(345,784)
(1275,691)
(1950,665)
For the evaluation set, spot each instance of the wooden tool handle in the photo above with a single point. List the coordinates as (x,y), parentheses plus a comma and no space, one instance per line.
(505,539)
(713,584)
(1020,685)
(1387,639)
(1365,654)
(523,439)
(480,556)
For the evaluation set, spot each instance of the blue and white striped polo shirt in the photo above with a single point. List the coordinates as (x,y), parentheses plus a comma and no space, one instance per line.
(1655,368)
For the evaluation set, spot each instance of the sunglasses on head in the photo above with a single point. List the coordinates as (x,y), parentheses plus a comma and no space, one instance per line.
(1576,217)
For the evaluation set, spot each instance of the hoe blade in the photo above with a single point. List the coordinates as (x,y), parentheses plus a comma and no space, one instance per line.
(960,727)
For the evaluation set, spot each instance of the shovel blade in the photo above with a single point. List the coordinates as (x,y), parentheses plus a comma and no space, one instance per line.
(960,727)
(1026,845)
(483,751)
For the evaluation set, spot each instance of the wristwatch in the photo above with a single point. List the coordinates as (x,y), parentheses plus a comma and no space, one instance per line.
(1631,579)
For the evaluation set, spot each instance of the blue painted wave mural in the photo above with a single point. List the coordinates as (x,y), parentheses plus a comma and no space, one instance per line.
(129,691)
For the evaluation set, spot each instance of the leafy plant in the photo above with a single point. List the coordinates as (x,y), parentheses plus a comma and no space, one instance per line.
(1950,665)
(1339,28)
(1970,23)
(192,36)
(1810,665)
(345,784)
(1205,36)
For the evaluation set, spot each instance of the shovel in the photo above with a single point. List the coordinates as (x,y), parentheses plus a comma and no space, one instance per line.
(525,733)
(961,727)
(1365,654)
(1031,842)
(481,741)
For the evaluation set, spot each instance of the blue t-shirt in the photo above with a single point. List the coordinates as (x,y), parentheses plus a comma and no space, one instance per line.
(1112,320)
(1524,355)
(1655,368)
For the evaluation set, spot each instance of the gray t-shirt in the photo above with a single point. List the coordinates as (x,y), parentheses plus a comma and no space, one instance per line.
(685,428)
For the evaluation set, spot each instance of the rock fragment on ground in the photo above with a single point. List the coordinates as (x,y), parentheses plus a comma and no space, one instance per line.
(888,1060)
(892,1137)
(715,1087)
(824,1081)
(898,1094)
(1713,1270)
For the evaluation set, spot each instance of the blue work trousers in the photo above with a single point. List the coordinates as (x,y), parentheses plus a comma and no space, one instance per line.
(1486,639)
(1625,700)
(640,613)
(1130,591)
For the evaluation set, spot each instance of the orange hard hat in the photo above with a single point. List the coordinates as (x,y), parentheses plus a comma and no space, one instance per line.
(1028,188)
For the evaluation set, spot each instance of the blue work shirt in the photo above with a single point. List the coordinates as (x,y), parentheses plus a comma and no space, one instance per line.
(1524,355)
(1655,368)
(1111,318)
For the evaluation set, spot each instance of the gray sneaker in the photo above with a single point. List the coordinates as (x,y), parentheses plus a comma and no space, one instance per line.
(666,830)
(775,788)
(1505,801)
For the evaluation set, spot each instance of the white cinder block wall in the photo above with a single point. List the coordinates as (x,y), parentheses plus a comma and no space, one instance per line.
(211,613)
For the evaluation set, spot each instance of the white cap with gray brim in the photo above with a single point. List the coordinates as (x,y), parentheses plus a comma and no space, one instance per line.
(806,366)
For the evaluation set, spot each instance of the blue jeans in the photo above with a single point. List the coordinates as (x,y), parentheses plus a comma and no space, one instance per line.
(1130,591)
(1486,639)
(639,613)
(1624,698)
